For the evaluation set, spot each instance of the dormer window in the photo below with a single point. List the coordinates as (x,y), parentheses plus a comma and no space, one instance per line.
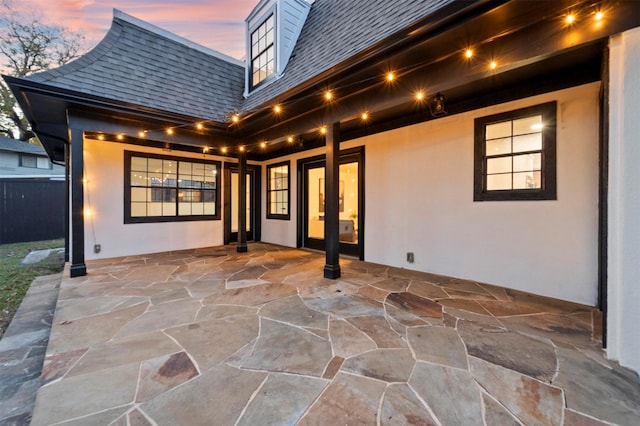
(273,28)
(262,52)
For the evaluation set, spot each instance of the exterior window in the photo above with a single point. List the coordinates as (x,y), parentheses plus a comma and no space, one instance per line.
(262,52)
(34,161)
(163,189)
(515,155)
(278,191)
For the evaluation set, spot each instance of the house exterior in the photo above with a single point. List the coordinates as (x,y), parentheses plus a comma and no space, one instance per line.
(488,140)
(24,160)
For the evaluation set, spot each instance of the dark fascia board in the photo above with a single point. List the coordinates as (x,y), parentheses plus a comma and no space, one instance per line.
(70,97)
(54,134)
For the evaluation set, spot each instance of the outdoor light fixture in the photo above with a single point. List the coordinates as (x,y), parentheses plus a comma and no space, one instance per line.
(436,105)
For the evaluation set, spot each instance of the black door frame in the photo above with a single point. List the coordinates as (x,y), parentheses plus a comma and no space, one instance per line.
(346,156)
(256,178)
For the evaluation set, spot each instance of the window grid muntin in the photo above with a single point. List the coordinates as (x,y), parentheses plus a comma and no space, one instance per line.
(157,191)
(547,154)
(513,153)
(278,191)
(263,51)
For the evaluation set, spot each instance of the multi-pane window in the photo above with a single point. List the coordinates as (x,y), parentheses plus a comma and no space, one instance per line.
(278,191)
(34,161)
(515,155)
(160,188)
(262,52)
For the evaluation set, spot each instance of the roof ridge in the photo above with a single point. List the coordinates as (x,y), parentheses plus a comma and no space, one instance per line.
(123,16)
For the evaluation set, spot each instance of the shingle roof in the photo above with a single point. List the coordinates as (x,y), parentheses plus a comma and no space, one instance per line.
(338,29)
(141,64)
(7,144)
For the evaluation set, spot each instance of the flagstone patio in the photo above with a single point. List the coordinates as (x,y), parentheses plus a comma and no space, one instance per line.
(213,337)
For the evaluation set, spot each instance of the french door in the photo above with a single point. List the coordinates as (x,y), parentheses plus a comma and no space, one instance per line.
(350,203)
(231,182)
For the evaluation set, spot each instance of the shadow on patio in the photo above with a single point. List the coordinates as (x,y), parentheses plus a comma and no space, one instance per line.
(214,337)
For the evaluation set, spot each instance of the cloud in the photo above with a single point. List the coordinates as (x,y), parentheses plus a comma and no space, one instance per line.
(218,24)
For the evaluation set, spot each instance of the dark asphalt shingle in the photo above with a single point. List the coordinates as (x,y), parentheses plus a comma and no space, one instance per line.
(335,30)
(135,65)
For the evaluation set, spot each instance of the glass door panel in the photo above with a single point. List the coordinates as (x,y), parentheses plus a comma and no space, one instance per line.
(350,203)
(234,201)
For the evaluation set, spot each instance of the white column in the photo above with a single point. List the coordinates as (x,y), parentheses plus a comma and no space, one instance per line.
(623,326)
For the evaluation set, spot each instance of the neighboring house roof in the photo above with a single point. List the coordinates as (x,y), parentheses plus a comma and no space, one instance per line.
(336,30)
(141,64)
(12,145)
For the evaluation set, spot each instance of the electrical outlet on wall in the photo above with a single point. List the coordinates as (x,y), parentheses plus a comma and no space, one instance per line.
(410,257)
(97,248)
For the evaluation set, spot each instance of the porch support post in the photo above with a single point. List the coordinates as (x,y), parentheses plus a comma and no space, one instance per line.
(242,202)
(67,200)
(78,267)
(331,203)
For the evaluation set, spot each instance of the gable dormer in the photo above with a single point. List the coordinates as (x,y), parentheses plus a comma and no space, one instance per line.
(273,28)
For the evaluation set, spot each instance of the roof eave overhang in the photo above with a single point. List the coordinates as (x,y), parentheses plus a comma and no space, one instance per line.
(532,32)
(53,111)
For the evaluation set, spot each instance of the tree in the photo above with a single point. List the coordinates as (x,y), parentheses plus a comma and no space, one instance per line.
(29,45)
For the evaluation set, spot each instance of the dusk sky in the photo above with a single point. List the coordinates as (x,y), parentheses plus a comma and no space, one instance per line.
(218,24)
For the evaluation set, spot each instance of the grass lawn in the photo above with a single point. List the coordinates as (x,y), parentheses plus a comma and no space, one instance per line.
(16,278)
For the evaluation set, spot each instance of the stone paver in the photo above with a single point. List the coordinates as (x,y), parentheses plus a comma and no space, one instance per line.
(210,336)
(22,350)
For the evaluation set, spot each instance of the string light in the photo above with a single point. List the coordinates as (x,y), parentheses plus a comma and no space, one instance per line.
(329,95)
(205,149)
(599,15)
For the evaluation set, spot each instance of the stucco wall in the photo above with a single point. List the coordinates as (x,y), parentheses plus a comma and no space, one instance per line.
(104,196)
(623,317)
(419,198)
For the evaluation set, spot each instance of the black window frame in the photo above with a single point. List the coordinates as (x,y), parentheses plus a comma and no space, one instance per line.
(270,190)
(128,219)
(255,57)
(548,190)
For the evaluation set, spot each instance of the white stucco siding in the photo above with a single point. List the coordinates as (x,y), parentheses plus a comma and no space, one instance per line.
(623,314)
(419,189)
(104,197)
(419,198)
